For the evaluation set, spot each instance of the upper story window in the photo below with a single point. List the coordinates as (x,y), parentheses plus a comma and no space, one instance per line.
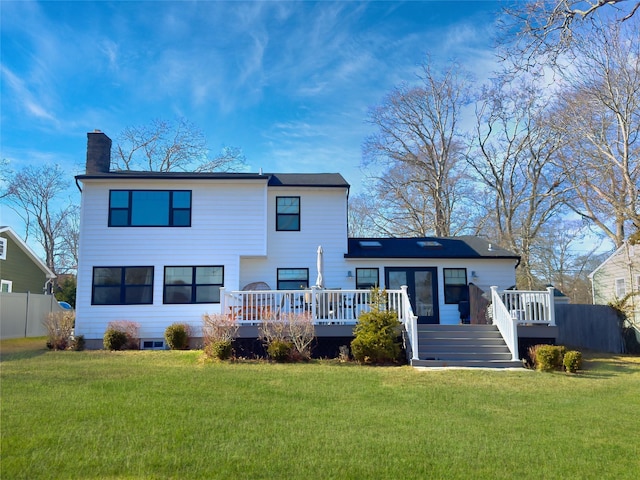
(122,286)
(3,248)
(455,285)
(193,284)
(293,278)
(621,289)
(367,278)
(288,213)
(150,208)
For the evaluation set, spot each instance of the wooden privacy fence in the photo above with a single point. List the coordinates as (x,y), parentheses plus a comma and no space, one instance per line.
(593,327)
(22,314)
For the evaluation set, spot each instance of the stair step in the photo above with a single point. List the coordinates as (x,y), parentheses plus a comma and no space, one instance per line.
(464,356)
(467,363)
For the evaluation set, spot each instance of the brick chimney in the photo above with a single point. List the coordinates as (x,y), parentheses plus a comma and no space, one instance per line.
(98,152)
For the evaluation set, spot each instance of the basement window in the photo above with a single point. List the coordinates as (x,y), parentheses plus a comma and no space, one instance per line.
(153,345)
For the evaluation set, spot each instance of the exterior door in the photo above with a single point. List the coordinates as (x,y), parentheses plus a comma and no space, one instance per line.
(422,283)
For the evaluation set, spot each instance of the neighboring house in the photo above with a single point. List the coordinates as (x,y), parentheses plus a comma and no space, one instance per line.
(618,276)
(25,287)
(158,248)
(21,270)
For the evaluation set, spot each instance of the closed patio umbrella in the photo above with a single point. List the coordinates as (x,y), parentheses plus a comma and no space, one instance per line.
(319,261)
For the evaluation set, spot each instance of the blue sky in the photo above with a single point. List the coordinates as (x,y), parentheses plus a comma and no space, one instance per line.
(287,82)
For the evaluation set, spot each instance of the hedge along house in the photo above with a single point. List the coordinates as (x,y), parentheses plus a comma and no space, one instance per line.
(157,248)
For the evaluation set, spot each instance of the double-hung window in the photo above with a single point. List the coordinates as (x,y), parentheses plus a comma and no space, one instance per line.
(367,278)
(193,284)
(122,286)
(621,288)
(455,285)
(150,208)
(293,278)
(287,214)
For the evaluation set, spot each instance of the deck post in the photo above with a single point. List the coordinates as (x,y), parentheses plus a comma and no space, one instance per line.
(314,303)
(552,307)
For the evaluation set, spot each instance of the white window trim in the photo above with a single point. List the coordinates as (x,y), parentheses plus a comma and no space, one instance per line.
(6,282)
(3,248)
(620,292)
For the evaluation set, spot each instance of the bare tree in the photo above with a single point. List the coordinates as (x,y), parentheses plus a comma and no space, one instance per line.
(511,152)
(169,146)
(36,194)
(599,118)
(418,139)
(543,30)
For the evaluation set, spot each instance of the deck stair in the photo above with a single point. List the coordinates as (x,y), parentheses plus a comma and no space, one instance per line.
(462,346)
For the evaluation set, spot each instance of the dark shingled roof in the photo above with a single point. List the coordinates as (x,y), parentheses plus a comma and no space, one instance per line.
(274,179)
(429,247)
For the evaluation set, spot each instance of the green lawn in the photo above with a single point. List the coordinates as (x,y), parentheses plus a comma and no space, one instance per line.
(167,415)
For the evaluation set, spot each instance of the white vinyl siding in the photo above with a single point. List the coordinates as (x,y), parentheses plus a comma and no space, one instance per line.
(228,220)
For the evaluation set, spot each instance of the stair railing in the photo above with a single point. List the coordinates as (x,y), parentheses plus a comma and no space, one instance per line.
(410,322)
(507,325)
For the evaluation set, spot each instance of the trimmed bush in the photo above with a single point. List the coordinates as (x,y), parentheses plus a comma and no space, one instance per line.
(177,336)
(549,357)
(114,339)
(376,335)
(218,332)
(130,329)
(280,350)
(220,350)
(572,361)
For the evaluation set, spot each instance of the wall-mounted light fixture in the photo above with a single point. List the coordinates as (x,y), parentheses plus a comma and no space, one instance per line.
(474,275)
(349,274)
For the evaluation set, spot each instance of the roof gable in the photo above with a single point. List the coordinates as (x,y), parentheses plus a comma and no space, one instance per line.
(9,232)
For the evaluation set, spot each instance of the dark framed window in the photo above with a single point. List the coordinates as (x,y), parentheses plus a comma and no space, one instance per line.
(288,213)
(122,286)
(150,208)
(455,285)
(293,278)
(367,278)
(193,284)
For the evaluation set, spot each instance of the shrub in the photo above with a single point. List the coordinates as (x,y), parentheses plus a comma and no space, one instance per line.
(280,350)
(59,326)
(218,332)
(549,357)
(131,331)
(177,336)
(76,343)
(376,335)
(114,339)
(532,353)
(295,330)
(220,349)
(572,361)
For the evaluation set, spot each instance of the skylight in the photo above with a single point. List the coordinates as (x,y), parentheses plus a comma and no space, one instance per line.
(429,244)
(370,244)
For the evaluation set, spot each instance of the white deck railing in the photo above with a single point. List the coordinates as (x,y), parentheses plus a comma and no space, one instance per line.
(326,307)
(521,307)
(337,307)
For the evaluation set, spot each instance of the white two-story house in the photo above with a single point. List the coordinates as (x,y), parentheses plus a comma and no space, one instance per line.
(158,248)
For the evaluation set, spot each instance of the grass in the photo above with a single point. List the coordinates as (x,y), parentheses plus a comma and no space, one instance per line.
(168,415)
